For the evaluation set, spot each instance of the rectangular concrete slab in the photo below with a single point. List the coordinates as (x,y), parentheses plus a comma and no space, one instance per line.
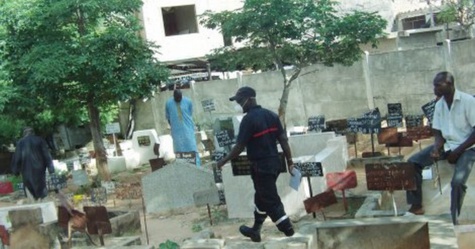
(372,233)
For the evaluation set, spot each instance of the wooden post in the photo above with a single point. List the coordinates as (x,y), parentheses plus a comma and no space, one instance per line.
(311,192)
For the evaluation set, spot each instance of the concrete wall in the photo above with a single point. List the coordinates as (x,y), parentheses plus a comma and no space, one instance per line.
(337,92)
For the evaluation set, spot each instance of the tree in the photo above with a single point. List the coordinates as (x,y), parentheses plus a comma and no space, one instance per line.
(276,33)
(79,54)
(459,11)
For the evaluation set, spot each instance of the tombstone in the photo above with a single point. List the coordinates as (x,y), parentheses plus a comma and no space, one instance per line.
(317,123)
(310,143)
(390,176)
(414,121)
(206,197)
(80,177)
(231,125)
(224,138)
(208,105)
(394,117)
(242,166)
(173,186)
(116,164)
(388,135)
(371,122)
(142,143)
(428,110)
(338,126)
(48,212)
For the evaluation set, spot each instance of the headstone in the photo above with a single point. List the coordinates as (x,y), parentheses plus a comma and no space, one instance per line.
(55,181)
(242,166)
(414,121)
(48,212)
(394,118)
(428,110)
(224,138)
(372,121)
(177,182)
(390,176)
(189,157)
(21,217)
(388,135)
(316,123)
(80,177)
(403,141)
(355,125)
(113,128)
(143,142)
(310,168)
(109,186)
(418,133)
(310,143)
(208,105)
(320,201)
(338,126)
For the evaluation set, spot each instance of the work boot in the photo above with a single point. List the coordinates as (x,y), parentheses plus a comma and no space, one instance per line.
(252,232)
(286,227)
(417,209)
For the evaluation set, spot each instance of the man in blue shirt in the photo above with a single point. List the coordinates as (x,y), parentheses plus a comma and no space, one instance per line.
(179,113)
(259,132)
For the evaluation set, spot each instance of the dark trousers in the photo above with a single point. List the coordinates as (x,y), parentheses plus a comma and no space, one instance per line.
(462,169)
(264,175)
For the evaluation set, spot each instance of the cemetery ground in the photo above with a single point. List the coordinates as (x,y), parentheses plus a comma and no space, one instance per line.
(187,223)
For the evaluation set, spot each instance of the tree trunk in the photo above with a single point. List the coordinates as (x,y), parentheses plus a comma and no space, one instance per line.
(283,104)
(99,149)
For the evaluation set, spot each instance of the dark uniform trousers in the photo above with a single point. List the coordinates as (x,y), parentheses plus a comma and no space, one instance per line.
(264,174)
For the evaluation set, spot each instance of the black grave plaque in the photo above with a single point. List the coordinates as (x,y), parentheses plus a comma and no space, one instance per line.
(316,123)
(224,138)
(242,166)
(310,168)
(390,176)
(372,122)
(414,121)
(428,110)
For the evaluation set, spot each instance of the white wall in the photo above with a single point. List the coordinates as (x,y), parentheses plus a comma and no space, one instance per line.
(186,46)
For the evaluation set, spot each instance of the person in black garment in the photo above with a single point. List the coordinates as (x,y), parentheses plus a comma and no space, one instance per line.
(259,131)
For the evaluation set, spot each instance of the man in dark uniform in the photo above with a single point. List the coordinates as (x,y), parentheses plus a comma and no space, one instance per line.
(32,159)
(259,132)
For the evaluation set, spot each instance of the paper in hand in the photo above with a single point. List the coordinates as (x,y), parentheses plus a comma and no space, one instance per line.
(295,179)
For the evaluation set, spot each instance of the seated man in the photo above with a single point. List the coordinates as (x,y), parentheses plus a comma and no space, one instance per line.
(453,127)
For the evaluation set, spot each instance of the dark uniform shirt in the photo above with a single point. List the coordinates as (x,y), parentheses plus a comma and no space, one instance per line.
(259,131)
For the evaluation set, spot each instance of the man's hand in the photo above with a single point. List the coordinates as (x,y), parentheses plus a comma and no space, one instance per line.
(453,156)
(220,164)
(291,168)
(435,154)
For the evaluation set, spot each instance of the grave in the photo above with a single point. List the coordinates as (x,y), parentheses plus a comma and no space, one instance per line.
(401,232)
(48,212)
(142,143)
(173,186)
(116,164)
(325,148)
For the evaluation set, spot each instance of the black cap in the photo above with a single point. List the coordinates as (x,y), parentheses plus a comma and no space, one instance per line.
(243,92)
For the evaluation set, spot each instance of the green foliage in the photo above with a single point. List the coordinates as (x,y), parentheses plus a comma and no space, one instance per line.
(460,11)
(276,33)
(67,58)
(9,130)
(196,228)
(168,245)
(299,33)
